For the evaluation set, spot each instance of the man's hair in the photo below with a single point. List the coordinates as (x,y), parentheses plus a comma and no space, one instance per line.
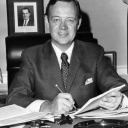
(52,2)
(25,8)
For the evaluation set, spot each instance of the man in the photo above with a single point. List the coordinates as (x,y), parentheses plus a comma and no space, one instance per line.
(41,84)
(26,21)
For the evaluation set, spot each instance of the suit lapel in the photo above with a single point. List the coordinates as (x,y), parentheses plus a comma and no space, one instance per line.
(74,66)
(53,64)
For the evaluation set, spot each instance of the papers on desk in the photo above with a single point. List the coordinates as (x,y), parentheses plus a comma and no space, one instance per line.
(14,114)
(93,103)
(101,113)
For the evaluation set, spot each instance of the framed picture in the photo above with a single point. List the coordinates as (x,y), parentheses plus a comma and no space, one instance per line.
(25,17)
(112,59)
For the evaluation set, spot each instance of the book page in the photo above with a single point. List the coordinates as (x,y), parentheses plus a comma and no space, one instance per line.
(94,102)
(23,118)
(101,113)
(11,111)
(14,114)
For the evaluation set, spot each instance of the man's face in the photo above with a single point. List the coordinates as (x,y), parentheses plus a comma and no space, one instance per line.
(25,14)
(63,22)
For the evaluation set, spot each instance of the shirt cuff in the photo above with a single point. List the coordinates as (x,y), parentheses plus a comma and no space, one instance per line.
(35,106)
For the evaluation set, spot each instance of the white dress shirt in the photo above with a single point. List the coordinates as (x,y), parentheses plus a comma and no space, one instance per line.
(25,22)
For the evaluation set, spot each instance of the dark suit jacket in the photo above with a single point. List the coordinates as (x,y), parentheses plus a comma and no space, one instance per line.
(40,72)
(30,22)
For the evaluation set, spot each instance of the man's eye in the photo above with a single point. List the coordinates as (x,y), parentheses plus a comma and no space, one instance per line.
(56,20)
(70,21)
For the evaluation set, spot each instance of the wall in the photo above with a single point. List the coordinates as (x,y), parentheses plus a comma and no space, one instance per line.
(3,34)
(108,23)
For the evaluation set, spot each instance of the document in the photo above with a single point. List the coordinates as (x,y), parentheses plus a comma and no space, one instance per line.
(102,113)
(14,114)
(94,102)
(12,111)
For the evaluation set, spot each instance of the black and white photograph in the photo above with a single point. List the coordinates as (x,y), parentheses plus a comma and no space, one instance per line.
(64,64)
(25,17)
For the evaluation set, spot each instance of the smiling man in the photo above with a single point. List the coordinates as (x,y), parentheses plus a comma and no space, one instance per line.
(63,22)
(63,73)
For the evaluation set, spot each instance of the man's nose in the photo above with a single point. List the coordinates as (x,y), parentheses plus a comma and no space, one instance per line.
(63,26)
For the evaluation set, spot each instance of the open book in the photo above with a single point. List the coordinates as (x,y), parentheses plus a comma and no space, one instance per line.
(94,102)
(14,114)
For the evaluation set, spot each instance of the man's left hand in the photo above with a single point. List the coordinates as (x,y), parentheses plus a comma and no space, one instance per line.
(111,101)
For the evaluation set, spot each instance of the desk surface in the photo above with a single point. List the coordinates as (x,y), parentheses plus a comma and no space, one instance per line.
(55,125)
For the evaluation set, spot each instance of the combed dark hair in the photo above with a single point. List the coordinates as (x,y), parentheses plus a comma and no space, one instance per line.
(25,8)
(52,2)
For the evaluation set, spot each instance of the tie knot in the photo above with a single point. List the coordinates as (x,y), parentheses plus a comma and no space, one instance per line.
(64,57)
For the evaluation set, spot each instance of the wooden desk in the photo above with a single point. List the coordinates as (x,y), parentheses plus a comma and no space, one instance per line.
(54,125)
(75,121)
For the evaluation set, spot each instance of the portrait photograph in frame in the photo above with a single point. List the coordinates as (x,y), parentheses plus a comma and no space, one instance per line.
(25,17)
(21,12)
(112,58)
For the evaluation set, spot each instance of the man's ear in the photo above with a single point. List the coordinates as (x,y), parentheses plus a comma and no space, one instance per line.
(46,21)
(79,23)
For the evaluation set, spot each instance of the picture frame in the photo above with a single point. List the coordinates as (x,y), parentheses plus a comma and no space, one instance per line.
(112,58)
(15,17)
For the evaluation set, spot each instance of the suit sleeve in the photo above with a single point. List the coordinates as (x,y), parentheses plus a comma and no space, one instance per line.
(21,90)
(107,77)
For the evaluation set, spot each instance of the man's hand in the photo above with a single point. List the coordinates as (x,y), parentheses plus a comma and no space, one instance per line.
(62,104)
(111,101)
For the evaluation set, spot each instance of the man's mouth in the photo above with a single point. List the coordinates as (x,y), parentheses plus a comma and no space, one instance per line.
(62,34)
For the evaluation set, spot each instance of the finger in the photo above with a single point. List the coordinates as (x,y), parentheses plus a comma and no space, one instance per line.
(65,104)
(66,96)
(111,100)
(106,105)
(111,104)
(114,99)
(114,94)
(66,108)
(105,99)
(62,111)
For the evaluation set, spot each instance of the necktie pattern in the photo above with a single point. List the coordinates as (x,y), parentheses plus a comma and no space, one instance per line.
(64,68)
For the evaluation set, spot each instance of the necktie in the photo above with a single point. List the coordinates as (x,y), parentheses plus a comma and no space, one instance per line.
(64,69)
(25,22)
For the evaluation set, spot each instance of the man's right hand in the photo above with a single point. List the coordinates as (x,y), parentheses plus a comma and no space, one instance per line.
(62,104)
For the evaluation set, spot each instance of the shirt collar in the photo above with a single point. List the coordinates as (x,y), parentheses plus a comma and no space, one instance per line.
(59,52)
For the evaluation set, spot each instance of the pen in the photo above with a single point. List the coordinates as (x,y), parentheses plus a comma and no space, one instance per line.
(62,92)
(58,88)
